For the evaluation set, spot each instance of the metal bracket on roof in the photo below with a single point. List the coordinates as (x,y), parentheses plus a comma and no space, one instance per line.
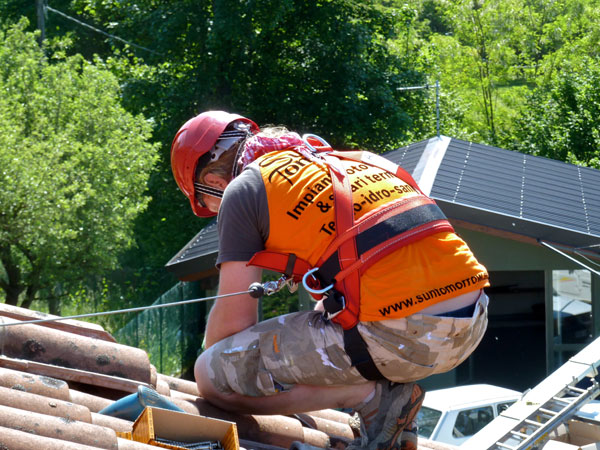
(427,168)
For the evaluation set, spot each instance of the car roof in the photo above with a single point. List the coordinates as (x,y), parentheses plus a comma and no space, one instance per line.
(470,395)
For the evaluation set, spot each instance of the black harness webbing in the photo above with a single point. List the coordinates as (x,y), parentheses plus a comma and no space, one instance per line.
(368,239)
(357,350)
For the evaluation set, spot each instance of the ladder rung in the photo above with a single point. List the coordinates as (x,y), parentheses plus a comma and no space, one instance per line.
(519,434)
(500,444)
(533,422)
(562,400)
(576,389)
(548,411)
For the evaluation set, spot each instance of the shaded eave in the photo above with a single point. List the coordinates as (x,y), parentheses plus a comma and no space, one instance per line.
(519,229)
(197,259)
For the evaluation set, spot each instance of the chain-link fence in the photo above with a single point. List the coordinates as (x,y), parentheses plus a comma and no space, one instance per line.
(172,336)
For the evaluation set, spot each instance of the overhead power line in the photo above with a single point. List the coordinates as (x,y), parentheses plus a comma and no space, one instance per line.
(97,30)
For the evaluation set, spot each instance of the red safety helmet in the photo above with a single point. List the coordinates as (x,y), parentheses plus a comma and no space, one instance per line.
(196,138)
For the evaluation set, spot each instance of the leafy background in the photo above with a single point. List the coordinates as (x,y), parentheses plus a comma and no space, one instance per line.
(89,211)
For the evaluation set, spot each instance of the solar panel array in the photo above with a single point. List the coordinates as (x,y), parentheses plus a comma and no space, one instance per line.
(523,186)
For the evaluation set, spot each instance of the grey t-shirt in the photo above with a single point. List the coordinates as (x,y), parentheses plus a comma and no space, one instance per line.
(243,221)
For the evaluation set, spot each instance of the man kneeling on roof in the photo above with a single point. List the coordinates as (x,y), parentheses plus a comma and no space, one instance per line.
(400,295)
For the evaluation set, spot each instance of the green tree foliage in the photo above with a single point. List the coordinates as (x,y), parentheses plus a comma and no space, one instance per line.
(491,54)
(83,40)
(322,67)
(563,117)
(74,166)
(318,66)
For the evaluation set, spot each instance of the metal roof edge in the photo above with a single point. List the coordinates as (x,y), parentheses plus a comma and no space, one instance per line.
(427,168)
(209,228)
(575,236)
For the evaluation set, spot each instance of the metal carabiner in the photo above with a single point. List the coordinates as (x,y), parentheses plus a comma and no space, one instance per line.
(257,290)
(314,136)
(311,290)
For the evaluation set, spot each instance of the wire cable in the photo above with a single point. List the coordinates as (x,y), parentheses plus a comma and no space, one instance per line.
(121,311)
(97,30)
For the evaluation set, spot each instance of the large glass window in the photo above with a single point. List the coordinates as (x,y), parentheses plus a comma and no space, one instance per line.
(572,306)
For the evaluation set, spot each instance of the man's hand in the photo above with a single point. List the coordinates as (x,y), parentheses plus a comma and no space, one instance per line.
(230,315)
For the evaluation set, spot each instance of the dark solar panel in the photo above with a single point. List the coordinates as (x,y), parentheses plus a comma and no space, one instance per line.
(524,186)
(407,157)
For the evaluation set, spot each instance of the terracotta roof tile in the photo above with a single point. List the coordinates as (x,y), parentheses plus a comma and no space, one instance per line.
(44,405)
(55,380)
(21,440)
(36,384)
(50,346)
(177,384)
(58,428)
(93,402)
(113,423)
(70,326)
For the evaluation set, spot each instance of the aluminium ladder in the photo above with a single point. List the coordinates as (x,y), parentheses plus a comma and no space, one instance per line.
(527,424)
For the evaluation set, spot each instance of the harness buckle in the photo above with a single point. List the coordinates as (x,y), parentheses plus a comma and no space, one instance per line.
(312,290)
(323,142)
(333,301)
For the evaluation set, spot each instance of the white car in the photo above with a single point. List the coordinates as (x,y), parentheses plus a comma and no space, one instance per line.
(455,414)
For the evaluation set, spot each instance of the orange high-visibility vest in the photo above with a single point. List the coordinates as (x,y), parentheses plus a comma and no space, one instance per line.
(383,244)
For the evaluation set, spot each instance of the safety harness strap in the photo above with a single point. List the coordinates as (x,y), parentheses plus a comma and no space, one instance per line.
(347,291)
(286,263)
(357,246)
(379,218)
(424,218)
(347,252)
(357,350)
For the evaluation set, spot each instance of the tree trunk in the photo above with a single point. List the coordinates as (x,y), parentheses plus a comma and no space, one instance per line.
(54,306)
(11,286)
(29,297)
(487,88)
(12,295)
